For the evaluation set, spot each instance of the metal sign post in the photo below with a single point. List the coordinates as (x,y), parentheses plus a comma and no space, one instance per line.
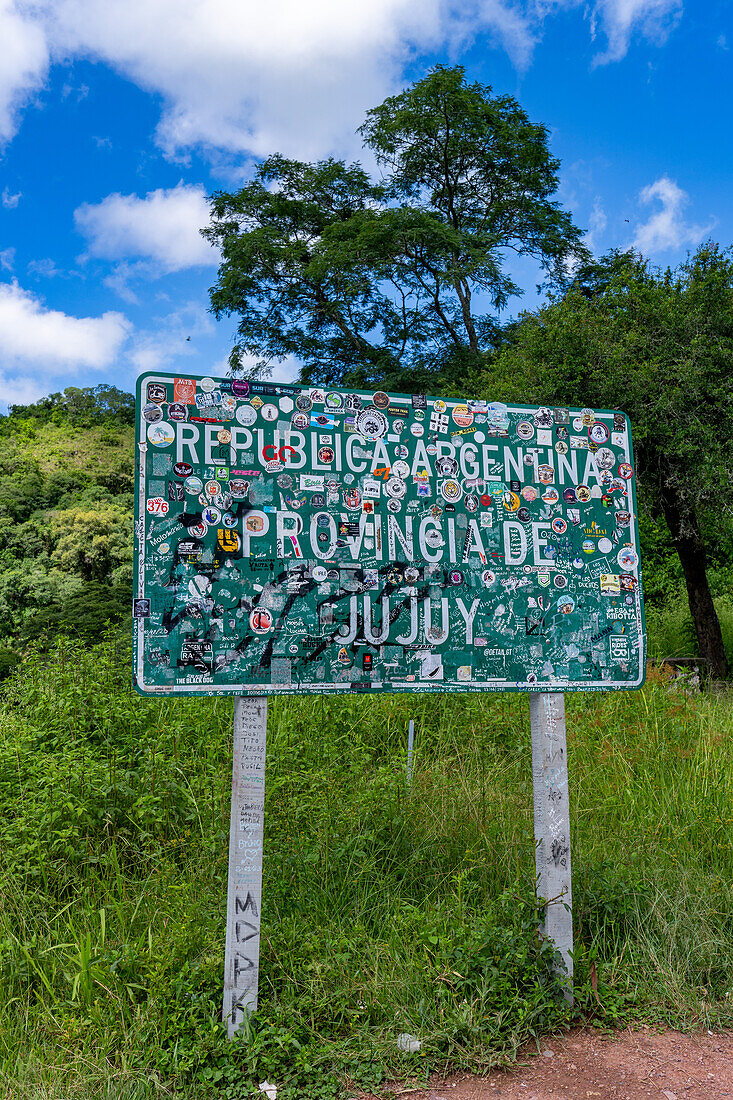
(244,888)
(552,822)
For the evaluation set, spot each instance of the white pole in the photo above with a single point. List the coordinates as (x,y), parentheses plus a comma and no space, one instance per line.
(244,890)
(552,822)
(410,740)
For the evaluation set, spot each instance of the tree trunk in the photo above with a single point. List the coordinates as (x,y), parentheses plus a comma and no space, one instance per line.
(685,531)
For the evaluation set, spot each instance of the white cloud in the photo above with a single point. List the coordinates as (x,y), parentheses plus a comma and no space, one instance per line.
(621,19)
(31,334)
(597,226)
(162,228)
(246,77)
(172,337)
(21,390)
(7,259)
(9,200)
(667,229)
(24,64)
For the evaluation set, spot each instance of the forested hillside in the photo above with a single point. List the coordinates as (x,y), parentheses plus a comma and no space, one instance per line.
(66,507)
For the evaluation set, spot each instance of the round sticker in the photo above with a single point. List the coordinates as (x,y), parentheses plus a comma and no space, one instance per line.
(455,576)
(336,401)
(246,415)
(439,405)
(229,520)
(224,436)
(303,403)
(447,467)
(182,469)
(598,432)
(319,573)
(561,447)
(588,546)
(605,458)
(566,605)
(511,501)
(551,496)
(472,503)
(260,620)
(240,387)
(152,413)
(198,530)
(560,580)
(211,516)
(583,493)
(523,515)
(394,505)
(380,400)
(213,488)
(546,474)
(372,424)
(433,538)
(177,412)
(627,558)
(559,526)
(525,430)
(625,470)
(417,430)
(398,427)
(193,485)
(269,412)
(451,490)
(396,488)
(401,469)
(487,578)
(605,545)
(462,416)
(401,451)
(208,385)
(588,417)
(325,455)
(161,435)
(623,519)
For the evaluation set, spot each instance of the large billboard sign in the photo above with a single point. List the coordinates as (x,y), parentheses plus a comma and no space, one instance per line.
(293,539)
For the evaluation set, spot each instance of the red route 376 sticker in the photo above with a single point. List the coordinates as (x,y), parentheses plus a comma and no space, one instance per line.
(157,506)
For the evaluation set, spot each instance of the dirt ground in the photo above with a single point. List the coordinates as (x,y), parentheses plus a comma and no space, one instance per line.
(586,1065)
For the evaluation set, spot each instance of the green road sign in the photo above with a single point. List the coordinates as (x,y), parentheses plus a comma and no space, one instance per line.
(290,539)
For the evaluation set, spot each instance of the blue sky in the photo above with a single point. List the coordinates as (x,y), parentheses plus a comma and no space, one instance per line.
(118,118)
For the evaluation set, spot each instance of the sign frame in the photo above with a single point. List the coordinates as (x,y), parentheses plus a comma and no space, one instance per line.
(271,393)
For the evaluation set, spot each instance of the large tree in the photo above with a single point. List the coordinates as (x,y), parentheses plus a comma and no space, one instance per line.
(659,346)
(389,280)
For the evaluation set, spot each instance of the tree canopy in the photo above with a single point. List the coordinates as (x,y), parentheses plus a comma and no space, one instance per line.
(388,281)
(659,346)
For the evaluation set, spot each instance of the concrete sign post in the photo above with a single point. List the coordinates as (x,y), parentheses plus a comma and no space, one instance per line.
(552,822)
(244,891)
(295,540)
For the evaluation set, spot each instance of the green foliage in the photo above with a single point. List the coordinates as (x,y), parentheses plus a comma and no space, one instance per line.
(81,407)
(658,345)
(375,282)
(385,910)
(66,518)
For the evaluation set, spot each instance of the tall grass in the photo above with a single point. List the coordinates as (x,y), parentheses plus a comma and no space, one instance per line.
(384,909)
